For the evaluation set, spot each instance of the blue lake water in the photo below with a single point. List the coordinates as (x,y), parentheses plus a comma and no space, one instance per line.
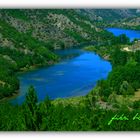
(132,34)
(75,76)
(71,77)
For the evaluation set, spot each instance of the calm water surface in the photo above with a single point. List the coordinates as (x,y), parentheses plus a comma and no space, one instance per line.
(132,34)
(71,77)
(75,76)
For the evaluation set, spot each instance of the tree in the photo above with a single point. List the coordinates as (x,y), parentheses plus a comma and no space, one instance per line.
(136,104)
(104,89)
(126,89)
(44,113)
(123,39)
(30,109)
(137,56)
(31,99)
(118,57)
(129,73)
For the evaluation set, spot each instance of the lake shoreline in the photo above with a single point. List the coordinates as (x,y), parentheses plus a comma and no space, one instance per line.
(30,69)
(91,64)
(36,67)
(24,70)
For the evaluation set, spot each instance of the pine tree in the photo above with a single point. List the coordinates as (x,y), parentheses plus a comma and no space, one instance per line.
(30,109)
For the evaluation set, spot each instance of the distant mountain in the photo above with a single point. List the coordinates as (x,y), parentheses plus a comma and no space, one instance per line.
(108,14)
(127,23)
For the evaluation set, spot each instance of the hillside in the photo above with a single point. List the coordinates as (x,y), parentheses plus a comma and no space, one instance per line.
(28,38)
(128,23)
(58,28)
(109,15)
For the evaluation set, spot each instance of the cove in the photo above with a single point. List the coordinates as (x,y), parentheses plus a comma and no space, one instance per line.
(74,76)
(132,34)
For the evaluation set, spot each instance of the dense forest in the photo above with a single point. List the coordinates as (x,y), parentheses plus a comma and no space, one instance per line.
(28,39)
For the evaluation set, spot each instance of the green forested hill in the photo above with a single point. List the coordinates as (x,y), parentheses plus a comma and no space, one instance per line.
(57,28)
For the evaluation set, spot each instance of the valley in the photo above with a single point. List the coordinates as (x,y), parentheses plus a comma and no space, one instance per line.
(52,84)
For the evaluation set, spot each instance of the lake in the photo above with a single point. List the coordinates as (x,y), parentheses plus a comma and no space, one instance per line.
(75,76)
(132,34)
(71,77)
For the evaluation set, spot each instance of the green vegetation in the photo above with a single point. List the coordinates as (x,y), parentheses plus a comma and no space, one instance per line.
(120,88)
(8,83)
(124,77)
(19,14)
(75,35)
(29,37)
(27,51)
(59,116)
(90,112)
